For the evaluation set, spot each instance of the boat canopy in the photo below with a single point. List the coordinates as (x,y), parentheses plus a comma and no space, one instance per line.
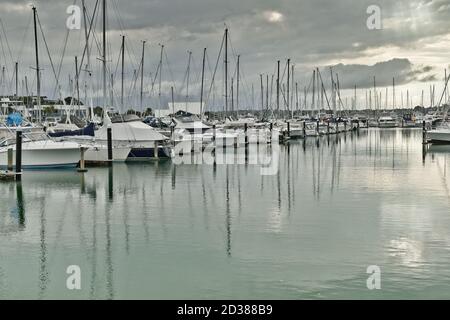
(89,130)
(130,131)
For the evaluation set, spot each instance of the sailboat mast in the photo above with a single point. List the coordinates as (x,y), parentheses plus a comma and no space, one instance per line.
(253,96)
(375,93)
(313,102)
(333,93)
(38,78)
(104,54)
(160,78)
(188,79)
(232,95)
(17,79)
(288,83)
(77,84)
(142,77)
(319,106)
(393,93)
(386,102)
(267,92)
(122,73)
(292,92)
(88,57)
(262,92)
(278,87)
(203,82)
(226,72)
(237,84)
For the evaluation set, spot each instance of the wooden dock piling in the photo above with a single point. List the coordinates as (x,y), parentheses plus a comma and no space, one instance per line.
(82,168)
(18,155)
(424,132)
(110,150)
(156,150)
(10,159)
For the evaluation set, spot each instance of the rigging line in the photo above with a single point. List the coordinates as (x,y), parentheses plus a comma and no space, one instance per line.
(48,51)
(184,80)
(209,69)
(9,50)
(25,34)
(131,51)
(215,71)
(243,79)
(153,80)
(6,39)
(62,54)
(198,75)
(170,71)
(156,75)
(4,56)
(323,88)
(242,74)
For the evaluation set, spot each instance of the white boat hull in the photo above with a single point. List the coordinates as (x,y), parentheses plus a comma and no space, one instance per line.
(44,155)
(100,154)
(439,136)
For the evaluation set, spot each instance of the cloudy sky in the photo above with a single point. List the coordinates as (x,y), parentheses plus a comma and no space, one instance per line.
(412,44)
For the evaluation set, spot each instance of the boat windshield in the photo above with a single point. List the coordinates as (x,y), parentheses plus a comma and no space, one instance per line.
(188,119)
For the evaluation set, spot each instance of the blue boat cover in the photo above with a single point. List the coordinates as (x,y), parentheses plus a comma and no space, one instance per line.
(86,131)
(14,120)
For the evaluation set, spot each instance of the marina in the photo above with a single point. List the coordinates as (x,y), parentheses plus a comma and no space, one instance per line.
(171,163)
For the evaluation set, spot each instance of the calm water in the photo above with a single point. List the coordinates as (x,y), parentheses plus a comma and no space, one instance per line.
(151,231)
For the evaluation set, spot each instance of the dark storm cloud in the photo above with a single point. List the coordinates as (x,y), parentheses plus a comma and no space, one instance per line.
(362,75)
(310,32)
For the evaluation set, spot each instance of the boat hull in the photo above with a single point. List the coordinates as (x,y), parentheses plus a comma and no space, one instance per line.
(439,136)
(100,154)
(44,158)
(387,125)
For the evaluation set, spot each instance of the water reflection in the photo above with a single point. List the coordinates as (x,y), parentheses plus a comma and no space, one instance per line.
(145,230)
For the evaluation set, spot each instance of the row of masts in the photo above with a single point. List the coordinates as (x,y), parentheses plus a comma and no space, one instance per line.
(287,93)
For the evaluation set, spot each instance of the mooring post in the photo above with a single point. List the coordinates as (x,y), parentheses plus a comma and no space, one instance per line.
(424,133)
(82,167)
(110,150)
(156,150)
(172,134)
(246,134)
(304,129)
(345,126)
(317,126)
(18,155)
(337,127)
(10,159)
(271,130)
(328,127)
(289,128)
